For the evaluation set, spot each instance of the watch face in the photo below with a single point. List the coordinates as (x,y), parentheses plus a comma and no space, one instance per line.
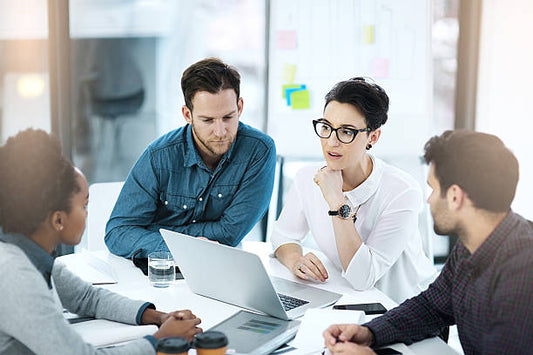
(344,211)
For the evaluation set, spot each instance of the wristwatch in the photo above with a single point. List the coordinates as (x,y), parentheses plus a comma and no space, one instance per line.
(344,211)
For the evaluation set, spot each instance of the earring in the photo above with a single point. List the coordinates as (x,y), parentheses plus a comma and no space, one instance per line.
(368,146)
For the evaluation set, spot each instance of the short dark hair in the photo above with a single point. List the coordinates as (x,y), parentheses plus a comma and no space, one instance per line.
(367,97)
(477,162)
(36,180)
(211,75)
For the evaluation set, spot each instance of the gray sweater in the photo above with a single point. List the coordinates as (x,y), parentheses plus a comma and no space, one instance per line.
(32,321)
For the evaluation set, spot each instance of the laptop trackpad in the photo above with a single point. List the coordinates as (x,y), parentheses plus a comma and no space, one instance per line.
(287,287)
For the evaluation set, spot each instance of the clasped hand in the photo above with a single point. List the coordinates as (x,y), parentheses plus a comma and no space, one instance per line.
(179,323)
(348,339)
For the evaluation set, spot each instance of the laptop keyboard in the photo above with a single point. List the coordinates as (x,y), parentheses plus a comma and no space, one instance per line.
(290,302)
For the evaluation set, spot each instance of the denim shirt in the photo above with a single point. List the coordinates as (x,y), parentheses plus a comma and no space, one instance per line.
(171,187)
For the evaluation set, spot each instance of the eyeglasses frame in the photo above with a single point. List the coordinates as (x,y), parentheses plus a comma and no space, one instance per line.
(354,130)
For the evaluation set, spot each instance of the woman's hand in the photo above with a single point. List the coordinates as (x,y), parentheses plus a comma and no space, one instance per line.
(302,266)
(174,327)
(151,316)
(330,184)
(309,266)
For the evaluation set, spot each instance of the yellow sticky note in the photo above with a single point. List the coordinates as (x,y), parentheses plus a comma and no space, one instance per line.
(289,71)
(300,99)
(368,33)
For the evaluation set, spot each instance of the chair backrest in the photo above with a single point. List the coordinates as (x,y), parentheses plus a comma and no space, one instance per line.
(102,198)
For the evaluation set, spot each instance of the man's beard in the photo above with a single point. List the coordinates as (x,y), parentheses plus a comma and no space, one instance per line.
(455,231)
(212,147)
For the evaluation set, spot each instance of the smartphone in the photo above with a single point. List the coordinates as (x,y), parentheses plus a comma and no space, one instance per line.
(368,308)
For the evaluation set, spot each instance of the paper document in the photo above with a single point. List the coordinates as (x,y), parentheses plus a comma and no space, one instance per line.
(90,268)
(309,337)
(102,333)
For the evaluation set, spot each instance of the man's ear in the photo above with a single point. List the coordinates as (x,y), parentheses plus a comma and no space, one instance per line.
(240,104)
(456,197)
(187,114)
(57,220)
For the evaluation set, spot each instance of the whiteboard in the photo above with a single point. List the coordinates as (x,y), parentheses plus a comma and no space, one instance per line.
(327,41)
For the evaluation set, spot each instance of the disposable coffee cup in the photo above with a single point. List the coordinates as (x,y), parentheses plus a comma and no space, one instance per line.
(210,343)
(173,346)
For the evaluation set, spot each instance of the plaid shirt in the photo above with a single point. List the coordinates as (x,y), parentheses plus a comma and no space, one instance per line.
(488,294)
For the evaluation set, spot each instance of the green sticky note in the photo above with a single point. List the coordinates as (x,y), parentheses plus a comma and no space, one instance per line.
(300,99)
(290,86)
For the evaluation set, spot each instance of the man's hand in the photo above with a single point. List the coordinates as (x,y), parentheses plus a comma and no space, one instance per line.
(309,266)
(347,333)
(350,348)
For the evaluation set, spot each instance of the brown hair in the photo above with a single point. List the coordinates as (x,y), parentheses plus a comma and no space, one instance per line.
(211,75)
(477,162)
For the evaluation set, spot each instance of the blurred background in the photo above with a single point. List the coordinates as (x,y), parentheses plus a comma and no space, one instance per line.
(104,75)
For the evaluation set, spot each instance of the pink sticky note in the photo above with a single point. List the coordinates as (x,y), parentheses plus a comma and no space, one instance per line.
(286,39)
(380,67)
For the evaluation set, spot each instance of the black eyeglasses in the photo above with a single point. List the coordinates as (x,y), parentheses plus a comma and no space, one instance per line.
(344,134)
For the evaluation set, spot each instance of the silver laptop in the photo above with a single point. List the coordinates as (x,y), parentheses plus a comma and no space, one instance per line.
(238,277)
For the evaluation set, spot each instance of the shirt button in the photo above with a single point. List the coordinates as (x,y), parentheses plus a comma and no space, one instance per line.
(219,195)
(166,203)
(200,199)
(184,207)
(193,221)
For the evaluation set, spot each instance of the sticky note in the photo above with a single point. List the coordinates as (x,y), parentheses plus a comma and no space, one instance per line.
(368,34)
(380,67)
(286,39)
(290,86)
(300,99)
(289,71)
(289,91)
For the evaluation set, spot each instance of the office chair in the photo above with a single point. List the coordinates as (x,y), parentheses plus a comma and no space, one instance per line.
(114,90)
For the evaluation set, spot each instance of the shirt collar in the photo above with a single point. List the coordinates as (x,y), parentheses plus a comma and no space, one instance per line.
(191,154)
(484,255)
(42,261)
(363,192)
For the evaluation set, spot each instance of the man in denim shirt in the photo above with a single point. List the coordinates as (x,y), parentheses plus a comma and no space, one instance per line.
(212,178)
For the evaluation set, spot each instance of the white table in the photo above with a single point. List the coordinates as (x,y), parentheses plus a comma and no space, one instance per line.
(133,284)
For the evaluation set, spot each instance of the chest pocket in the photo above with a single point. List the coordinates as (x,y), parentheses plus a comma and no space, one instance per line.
(176,208)
(220,198)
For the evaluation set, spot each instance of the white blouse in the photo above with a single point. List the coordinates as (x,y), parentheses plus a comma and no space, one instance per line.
(391,257)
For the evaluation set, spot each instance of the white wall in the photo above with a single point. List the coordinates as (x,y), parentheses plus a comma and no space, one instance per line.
(505,87)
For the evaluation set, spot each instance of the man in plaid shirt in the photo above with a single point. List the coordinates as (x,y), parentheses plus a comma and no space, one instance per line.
(486,286)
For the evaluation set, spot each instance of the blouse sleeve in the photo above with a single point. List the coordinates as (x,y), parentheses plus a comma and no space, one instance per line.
(291,226)
(387,241)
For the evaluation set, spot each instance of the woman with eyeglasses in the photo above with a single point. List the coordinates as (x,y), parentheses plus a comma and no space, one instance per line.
(362,212)
(43,201)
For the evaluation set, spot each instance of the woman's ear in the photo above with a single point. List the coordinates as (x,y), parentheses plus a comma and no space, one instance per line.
(57,220)
(373,137)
